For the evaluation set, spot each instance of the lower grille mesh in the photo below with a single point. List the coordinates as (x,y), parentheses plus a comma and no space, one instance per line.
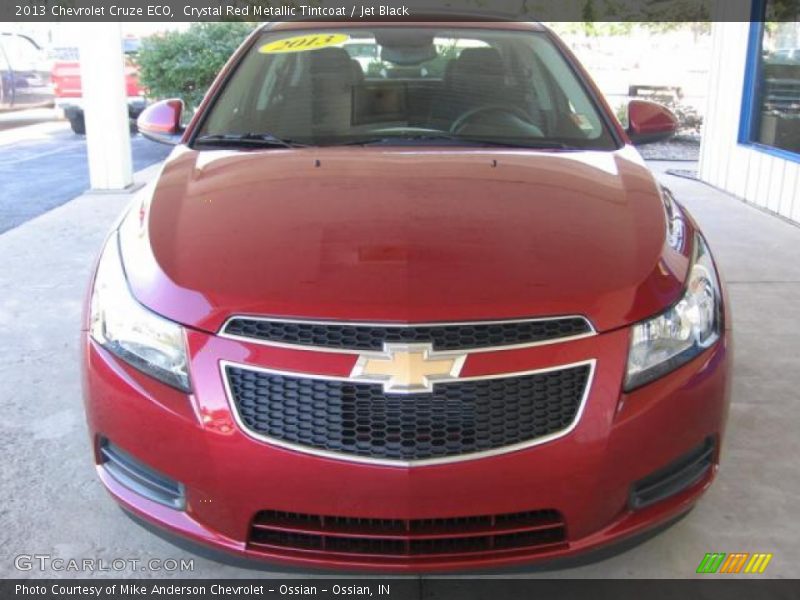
(276,531)
(360,419)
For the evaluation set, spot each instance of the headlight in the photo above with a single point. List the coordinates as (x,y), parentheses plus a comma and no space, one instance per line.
(124,327)
(676,226)
(664,343)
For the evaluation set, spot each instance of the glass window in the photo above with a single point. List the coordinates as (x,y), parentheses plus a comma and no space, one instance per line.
(775,120)
(408,85)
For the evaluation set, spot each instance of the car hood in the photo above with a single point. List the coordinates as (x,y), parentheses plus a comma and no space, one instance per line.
(402,234)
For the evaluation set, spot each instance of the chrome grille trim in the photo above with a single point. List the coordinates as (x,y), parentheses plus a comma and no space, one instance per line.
(591,363)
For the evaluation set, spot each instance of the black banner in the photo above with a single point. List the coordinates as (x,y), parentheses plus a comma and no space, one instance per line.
(420,10)
(408,588)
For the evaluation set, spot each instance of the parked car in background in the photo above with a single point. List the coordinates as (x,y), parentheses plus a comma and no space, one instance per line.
(24,77)
(66,77)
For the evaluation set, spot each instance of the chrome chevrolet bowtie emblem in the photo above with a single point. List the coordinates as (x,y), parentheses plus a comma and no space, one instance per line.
(407,368)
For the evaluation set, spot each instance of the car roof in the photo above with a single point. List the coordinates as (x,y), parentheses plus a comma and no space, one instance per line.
(460,19)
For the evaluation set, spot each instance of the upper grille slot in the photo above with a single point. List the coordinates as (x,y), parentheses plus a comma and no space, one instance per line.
(458,418)
(444,336)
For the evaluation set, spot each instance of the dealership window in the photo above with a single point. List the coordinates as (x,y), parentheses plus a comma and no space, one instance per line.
(771,116)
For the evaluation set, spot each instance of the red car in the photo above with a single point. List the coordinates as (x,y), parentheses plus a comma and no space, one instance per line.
(406,323)
(66,77)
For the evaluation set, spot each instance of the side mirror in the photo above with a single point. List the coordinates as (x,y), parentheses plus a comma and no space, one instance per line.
(649,122)
(161,122)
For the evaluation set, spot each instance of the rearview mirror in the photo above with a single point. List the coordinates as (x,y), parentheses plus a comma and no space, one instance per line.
(649,122)
(161,122)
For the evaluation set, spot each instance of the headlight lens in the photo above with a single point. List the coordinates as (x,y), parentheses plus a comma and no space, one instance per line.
(676,226)
(664,343)
(136,335)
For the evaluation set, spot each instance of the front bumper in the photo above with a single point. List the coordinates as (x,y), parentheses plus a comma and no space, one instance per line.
(586,476)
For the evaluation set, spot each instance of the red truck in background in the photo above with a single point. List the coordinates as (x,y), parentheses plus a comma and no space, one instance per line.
(66,80)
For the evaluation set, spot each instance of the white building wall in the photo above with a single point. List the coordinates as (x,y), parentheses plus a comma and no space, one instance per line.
(767,181)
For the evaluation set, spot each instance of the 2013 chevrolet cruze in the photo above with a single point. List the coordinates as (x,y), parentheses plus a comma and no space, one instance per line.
(405,297)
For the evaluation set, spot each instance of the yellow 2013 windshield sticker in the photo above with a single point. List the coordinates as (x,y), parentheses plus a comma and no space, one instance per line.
(303,43)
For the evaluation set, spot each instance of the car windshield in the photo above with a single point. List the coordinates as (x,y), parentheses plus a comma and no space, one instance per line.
(405,85)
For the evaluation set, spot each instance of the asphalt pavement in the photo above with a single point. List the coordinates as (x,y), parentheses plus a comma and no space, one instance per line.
(43,164)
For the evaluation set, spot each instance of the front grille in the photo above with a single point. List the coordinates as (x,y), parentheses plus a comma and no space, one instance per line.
(359,337)
(361,420)
(277,531)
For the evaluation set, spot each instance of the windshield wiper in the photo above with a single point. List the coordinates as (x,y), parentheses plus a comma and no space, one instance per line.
(531,145)
(455,139)
(251,140)
(408,138)
(268,140)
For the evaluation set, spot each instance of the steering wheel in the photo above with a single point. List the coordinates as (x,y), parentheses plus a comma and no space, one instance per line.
(472,113)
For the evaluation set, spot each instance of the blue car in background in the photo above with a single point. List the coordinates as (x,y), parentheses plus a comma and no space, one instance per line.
(24,73)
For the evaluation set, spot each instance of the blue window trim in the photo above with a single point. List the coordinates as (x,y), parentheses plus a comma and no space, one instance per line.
(752,76)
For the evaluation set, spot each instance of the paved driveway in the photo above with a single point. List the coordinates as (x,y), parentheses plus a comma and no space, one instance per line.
(53,503)
(44,165)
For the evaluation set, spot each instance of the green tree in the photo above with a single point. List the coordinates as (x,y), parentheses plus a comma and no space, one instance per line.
(184,64)
(783,10)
